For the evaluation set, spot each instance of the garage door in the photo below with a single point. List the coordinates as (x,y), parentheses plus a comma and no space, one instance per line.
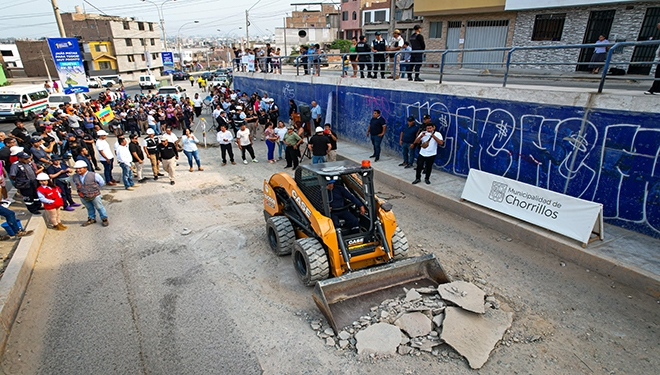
(485,34)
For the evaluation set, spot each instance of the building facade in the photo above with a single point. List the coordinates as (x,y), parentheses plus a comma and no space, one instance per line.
(36,58)
(350,19)
(134,46)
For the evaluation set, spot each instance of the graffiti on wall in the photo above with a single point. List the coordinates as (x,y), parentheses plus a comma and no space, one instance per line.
(610,157)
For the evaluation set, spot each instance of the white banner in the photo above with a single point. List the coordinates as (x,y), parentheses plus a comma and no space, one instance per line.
(572,217)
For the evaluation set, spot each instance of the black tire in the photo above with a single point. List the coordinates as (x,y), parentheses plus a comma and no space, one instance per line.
(399,244)
(310,261)
(30,116)
(109,84)
(280,235)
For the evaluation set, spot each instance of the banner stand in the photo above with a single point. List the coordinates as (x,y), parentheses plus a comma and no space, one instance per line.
(598,232)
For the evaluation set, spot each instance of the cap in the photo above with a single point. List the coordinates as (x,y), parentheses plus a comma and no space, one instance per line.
(377,32)
(35,139)
(101,133)
(318,129)
(410,118)
(55,157)
(80,164)
(427,116)
(22,155)
(239,107)
(42,177)
(288,127)
(163,139)
(150,131)
(49,126)
(87,137)
(69,135)
(331,181)
(397,31)
(15,150)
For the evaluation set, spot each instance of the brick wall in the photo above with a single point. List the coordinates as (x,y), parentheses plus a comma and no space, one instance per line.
(626,26)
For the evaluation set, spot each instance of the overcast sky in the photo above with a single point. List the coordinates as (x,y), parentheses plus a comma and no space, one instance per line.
(35,18)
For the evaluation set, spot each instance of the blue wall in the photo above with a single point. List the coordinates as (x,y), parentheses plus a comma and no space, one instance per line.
(610,157)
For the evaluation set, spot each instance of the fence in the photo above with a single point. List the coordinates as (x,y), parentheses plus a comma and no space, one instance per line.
(398,63)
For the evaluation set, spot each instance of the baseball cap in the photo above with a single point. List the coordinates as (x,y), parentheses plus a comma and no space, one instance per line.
(101,132)
(377,32)
(427,116)
(150,131)
(56,157)
(318,129)
(410,118)
(331,181)
(163,139)
(35,139)
(15,150)
(42,177)
(22,155)
(80,164)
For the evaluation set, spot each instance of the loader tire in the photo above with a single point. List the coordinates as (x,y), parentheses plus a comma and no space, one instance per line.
(310,261)
(399,244)
(280,235)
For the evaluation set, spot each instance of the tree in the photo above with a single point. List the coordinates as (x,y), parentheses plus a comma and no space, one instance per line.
(342,45)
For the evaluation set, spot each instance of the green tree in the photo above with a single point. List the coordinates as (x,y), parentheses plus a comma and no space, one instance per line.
(341,44)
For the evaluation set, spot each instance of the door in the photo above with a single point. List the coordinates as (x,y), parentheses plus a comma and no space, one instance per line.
(485,34)
(648,31)
(453,35)
(600,23)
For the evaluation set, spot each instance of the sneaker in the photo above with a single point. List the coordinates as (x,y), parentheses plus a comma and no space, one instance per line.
(417,181)
(160,174)
(171,182)
(89,222)
(649,93)
(200,169)
(244,161)
(69,208)
(142,180)
(136,185)
(75,205)
(191,169)
(130,188)
(62,225)
(419,80)
(255,160)
(24,233)
(155,178)
(376,159)
(105,222)
(408,166)
(402,164)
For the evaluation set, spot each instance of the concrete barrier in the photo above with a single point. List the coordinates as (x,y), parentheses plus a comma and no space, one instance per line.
(17,276)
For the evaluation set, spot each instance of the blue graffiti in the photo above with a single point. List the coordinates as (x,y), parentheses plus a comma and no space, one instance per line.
(609,157)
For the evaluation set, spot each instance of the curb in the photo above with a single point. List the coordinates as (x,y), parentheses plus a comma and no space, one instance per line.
(538,238)
(17,276)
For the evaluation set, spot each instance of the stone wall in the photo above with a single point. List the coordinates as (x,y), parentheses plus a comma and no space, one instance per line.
(626,26)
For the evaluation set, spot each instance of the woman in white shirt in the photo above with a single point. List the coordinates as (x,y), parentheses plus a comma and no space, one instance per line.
(189,142)
(281,132)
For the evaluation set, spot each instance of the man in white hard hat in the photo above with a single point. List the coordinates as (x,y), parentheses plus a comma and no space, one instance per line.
(106,157)
(319,145)
(89,185)
(151,149)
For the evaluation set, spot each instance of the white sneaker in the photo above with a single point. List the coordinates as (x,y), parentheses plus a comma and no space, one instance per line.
(255,160)
(244,161)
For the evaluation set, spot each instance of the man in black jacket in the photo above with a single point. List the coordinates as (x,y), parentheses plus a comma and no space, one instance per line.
(417,44)
(379,45)
(364,61)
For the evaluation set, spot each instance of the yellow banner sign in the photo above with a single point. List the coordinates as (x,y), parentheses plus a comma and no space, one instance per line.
(105,115)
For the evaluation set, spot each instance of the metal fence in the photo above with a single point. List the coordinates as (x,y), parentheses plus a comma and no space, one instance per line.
(394,65)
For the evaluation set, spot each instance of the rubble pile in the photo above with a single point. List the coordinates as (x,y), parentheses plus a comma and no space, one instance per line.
(458,314)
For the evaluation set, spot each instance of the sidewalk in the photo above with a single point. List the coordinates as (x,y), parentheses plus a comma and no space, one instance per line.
(624,256)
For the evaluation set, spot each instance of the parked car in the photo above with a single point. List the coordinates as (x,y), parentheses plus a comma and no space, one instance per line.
(148,81)
(220,79)
(180,76)
(22,101)
(55,100)
(207,75)
(93,82)
(174,92)
(109,81)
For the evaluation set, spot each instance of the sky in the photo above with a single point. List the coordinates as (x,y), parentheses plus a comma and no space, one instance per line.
(35,19)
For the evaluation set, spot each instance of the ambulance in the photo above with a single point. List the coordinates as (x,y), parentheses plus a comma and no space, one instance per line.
(22,102)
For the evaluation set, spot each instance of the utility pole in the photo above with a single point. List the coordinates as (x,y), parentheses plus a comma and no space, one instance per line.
(286,51)
(58,18)
(247,27)
(390,30)
(43,58)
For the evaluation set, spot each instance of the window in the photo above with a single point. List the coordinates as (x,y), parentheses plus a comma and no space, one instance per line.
(344,16)
(435,30)
(101,48)
(151,26)
(97,48)
(354,17)
(379,16)
(154,56)
(143,42)
(7,53)
(38,95)
(367,17)
(11,64)
(140,25)
(153,42)
(398,14)
(143,57)
(129,42)
(344,1)
(104,65)
(131,58)
(549,26)
(127,25)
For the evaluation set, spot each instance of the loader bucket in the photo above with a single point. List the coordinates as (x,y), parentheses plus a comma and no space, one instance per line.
(343,299)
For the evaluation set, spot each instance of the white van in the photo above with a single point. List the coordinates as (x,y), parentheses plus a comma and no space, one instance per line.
(55,100)
(22,102)
(148,81)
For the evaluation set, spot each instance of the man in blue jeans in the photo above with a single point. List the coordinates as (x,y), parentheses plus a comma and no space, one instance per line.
(124,158)
(319,144)
(406,141)
(10,216)
(376,130)
(89,185)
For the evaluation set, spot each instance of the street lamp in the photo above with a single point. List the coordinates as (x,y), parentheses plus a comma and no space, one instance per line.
(162,20)
(178,38)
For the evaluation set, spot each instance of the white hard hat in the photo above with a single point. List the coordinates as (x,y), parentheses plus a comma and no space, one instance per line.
(80,164)
(15,150)
(44,177)
(319,129)
(150,131)
(100,133)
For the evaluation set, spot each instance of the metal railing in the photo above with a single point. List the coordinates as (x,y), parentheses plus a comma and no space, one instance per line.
(391,62)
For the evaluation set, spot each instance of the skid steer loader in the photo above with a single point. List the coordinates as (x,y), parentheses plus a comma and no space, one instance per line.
(366,264)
